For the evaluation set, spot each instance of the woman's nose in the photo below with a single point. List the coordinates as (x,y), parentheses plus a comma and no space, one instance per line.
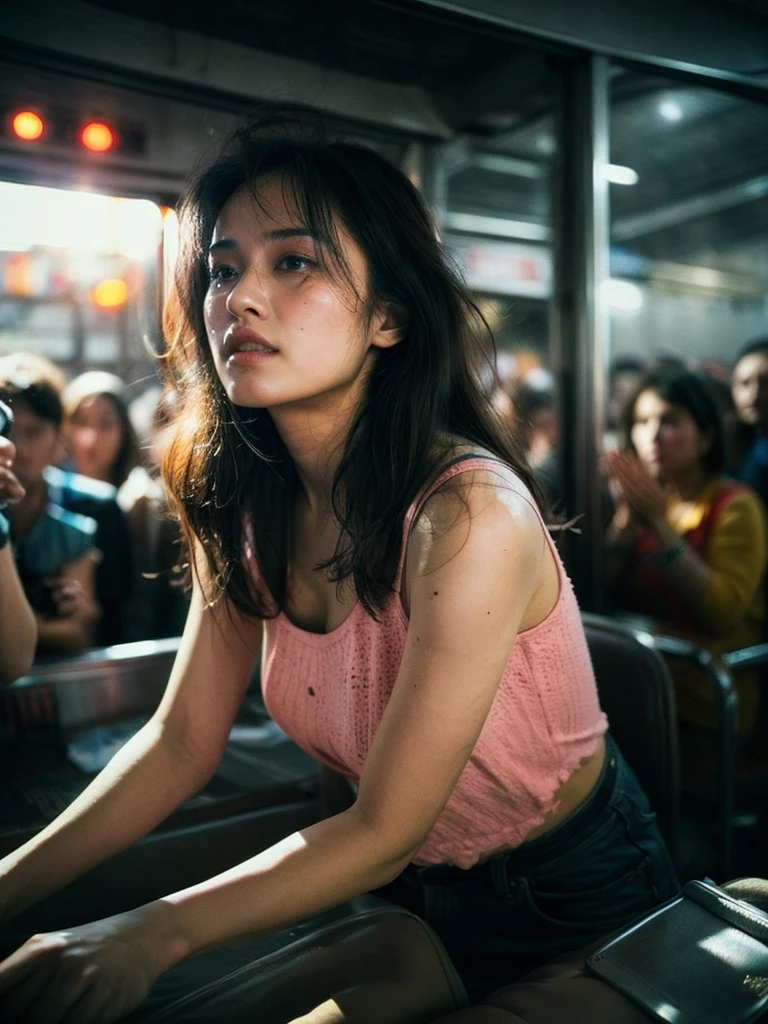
(247,296)
(87,437)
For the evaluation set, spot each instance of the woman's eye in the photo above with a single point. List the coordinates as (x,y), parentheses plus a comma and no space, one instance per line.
(221,272)
(294,262)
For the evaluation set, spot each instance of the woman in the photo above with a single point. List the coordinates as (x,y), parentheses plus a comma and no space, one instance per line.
(101,440)
(686,545)
(348,498)
(103,447)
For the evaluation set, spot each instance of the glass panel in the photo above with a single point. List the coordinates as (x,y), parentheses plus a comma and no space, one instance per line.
(689,220)
(497,223)
(79,277)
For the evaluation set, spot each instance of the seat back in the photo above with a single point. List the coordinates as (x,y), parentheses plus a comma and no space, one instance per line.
(637,694)
(100,685)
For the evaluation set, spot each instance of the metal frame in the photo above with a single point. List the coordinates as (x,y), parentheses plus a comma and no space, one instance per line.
(503,14)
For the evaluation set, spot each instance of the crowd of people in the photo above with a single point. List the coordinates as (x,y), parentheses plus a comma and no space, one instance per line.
(83,513)
(685,475)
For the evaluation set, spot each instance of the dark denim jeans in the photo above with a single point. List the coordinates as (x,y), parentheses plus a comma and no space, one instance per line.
(601,868)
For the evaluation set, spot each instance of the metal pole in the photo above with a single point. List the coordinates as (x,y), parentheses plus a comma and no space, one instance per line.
(579,326)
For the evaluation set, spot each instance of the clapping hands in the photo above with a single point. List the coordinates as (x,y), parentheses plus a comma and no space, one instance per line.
(640,496)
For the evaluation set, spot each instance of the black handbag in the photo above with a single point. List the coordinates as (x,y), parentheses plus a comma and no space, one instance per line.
(701,958)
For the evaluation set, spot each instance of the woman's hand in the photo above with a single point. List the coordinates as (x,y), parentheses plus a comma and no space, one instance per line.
(93,974)
(70,596)
(10,488)
(644,495)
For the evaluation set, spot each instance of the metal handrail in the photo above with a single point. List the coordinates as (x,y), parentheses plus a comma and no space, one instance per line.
(92,661)
(746,657)
(96,686)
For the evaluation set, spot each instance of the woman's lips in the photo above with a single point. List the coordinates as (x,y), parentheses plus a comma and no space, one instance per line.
(248,357)
(244,347)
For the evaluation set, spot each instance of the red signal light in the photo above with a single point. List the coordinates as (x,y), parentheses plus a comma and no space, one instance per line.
(97,136)
(27,125)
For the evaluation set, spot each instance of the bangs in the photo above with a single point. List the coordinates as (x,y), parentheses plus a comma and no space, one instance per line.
(312,180)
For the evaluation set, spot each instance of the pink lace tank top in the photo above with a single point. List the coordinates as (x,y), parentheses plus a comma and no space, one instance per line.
(328,691)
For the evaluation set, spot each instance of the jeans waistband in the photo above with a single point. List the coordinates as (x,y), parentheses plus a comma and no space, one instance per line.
(552,843)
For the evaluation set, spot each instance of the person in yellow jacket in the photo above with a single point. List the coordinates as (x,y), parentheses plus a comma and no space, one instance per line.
(687,545)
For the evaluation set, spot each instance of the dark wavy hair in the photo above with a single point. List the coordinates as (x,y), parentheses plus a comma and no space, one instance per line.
(689,391)
(229,475)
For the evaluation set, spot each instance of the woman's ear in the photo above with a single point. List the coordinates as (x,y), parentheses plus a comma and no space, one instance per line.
(390,324)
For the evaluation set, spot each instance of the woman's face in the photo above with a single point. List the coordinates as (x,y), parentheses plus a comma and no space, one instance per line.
(283,333)
(95,435)
(750,389)
(666,437)
(38,444)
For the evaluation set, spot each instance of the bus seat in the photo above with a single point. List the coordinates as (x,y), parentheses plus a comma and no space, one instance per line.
(737,799)
(637,694)
(367,961)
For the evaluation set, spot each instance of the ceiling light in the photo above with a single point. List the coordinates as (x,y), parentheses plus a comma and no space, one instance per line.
(620,175)
(97,136)
(670,110)
(27,125)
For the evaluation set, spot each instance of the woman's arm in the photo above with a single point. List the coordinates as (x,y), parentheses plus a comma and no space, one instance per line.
(166,762)
(18,628)
(736,561)
(477,562)
(76,631)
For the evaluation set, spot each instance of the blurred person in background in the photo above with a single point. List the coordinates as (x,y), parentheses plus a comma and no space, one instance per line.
(160,603)
(624,374)
(55,549)
(539,436)
(18,626)
(103,450)
(749,387)
(101,440)
(686,545)
(104,445)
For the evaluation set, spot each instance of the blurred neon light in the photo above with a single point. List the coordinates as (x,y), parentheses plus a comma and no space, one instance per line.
(97,136)
(28,125)
(110,293)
